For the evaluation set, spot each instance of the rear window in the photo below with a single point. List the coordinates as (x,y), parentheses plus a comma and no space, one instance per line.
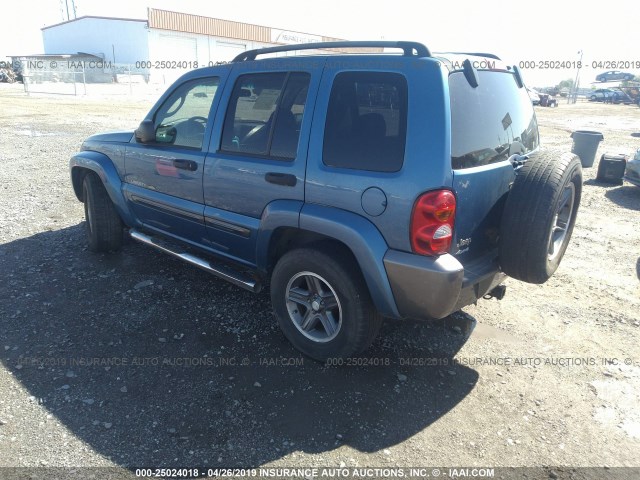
(491,122)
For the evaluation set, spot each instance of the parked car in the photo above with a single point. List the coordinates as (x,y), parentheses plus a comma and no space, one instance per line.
(355,189)
(632,171)
(614,75)
(543,99)
(608,95)
(534,96)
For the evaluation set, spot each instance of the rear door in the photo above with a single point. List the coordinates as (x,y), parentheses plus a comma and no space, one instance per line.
(489,124)
(259,154)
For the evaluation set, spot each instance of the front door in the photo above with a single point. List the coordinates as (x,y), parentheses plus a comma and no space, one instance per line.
(163,181)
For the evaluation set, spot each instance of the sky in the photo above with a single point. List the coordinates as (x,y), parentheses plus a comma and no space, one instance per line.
(516,31)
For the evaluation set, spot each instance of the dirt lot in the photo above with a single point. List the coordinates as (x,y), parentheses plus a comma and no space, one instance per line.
(201,375)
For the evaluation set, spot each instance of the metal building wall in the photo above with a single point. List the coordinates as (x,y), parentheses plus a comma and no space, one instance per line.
(183,22)
(113,39)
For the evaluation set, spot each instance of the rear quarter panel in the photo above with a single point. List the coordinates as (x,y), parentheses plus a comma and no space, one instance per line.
(427,152)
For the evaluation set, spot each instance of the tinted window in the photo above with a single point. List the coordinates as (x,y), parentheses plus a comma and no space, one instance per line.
(286,132)
(183,117)
(366,122)
(265,113)
(491,122)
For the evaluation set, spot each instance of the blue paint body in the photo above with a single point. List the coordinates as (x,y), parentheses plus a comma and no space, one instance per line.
(224,206)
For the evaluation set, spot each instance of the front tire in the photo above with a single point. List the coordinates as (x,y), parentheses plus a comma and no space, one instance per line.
(322,303)
(539,217)
(102,222)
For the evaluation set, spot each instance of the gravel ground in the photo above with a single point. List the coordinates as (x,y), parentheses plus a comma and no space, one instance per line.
(135,359)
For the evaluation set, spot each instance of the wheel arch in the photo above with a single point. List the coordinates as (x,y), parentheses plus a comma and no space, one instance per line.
(87,162)
(329,227)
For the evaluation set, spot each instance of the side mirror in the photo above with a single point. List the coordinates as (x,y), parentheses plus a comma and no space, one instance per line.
(146,132)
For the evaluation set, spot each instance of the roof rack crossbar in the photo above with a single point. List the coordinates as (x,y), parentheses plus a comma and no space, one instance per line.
(408,48)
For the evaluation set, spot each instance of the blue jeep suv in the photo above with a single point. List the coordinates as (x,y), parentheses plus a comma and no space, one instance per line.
(356,186)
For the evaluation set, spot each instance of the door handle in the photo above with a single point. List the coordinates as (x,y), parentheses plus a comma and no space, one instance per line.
(186,165)
(284,179)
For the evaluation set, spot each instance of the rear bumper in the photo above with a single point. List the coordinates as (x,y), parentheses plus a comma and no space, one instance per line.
(632,173)
(433,287)
(635,181)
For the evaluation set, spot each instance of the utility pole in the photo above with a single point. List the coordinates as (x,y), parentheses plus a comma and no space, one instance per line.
(574,97)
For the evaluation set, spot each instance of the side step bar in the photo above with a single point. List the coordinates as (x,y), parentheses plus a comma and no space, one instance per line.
(220,271)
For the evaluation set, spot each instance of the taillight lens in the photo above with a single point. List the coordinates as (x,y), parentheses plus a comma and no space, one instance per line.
(432,222)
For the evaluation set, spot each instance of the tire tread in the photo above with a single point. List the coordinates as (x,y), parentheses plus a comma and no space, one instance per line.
(528,214)
(107,235)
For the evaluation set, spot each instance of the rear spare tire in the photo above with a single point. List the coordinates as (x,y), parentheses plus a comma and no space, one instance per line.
(539,216)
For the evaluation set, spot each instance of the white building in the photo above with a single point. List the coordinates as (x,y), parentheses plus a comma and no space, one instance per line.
(166,43)
(117,40)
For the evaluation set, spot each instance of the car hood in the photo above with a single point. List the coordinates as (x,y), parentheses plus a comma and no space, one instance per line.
(111,137)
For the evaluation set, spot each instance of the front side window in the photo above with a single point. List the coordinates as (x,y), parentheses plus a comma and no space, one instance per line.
(182,118)
(366,122)
(265,114)
(491,122)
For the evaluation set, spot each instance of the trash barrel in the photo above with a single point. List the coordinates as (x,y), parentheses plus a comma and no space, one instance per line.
(585,145)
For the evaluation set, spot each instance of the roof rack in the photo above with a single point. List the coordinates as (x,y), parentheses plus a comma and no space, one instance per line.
(473,54)
(408,48)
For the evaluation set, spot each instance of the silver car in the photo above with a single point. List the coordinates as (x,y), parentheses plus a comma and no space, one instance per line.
(613,75)
(632,172)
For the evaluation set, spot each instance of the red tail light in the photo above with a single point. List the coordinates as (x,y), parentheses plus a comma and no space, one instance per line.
(432,222)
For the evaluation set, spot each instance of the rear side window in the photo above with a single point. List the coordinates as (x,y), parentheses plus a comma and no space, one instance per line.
(265,114)
(366,122)
(491,122)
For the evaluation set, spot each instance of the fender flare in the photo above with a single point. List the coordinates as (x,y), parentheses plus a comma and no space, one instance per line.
(278,214)
(102,166)
(359,235)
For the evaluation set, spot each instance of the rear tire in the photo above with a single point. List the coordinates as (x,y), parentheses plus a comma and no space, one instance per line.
(102,222)
(311,289)
(539,217)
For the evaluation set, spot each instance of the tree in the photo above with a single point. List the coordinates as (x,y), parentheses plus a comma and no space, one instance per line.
(568,83)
